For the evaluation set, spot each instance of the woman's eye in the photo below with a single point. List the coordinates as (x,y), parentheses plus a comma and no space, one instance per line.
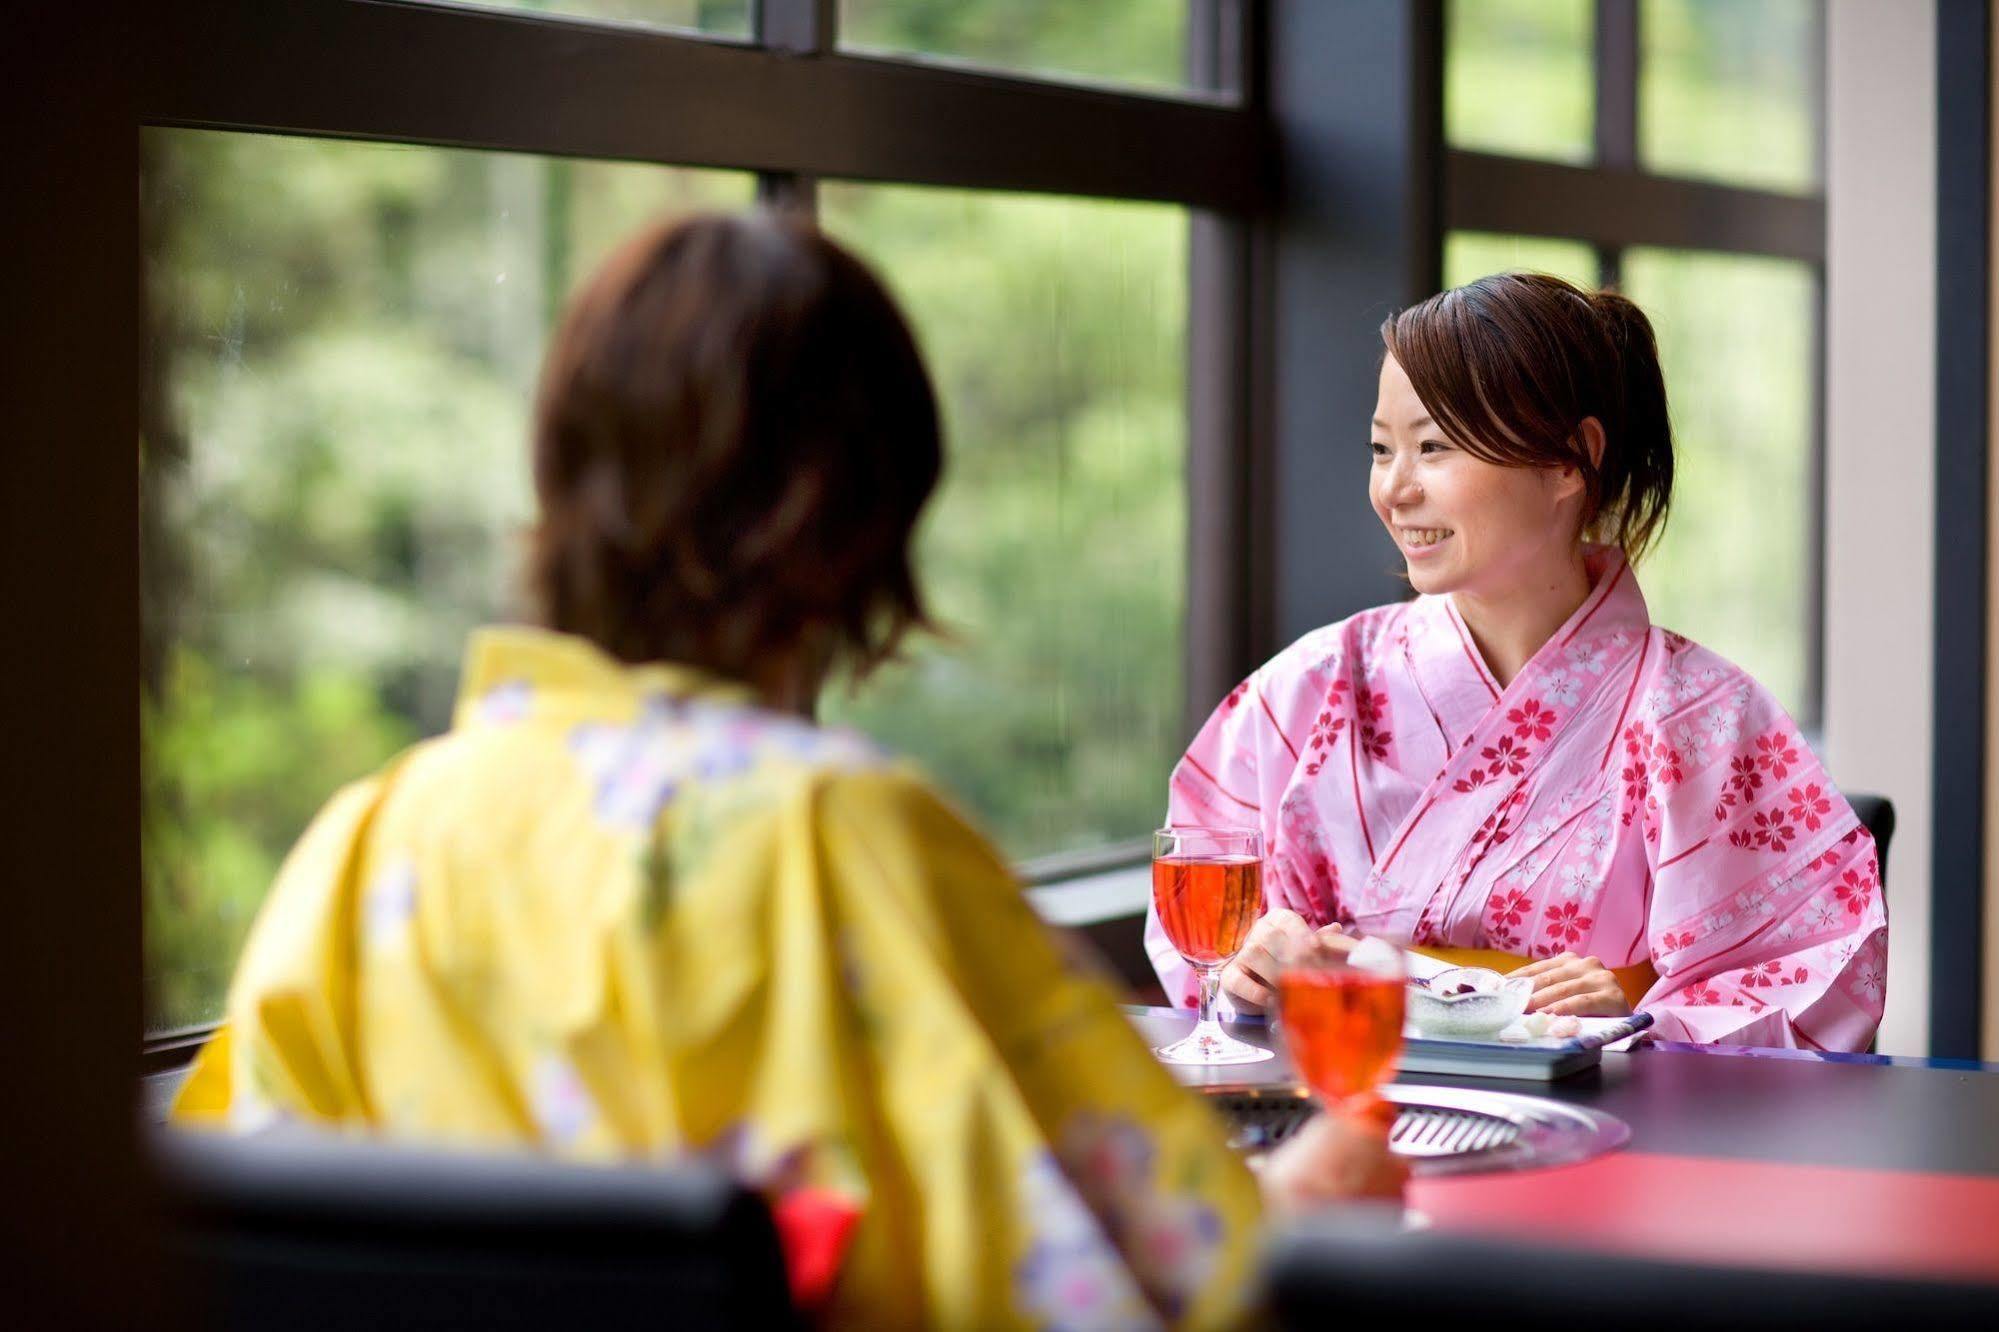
(1434,446)
(1378,450)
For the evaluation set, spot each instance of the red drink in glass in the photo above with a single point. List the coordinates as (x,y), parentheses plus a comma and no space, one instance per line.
(1207,890)
(1343,1027)
(1206,904)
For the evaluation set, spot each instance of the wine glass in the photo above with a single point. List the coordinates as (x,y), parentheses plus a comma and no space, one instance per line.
(1207,886)
(1341,1001)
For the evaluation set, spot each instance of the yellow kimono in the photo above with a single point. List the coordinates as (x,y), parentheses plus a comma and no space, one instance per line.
(621,912)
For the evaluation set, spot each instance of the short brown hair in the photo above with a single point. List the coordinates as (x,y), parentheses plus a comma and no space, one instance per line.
(734,436)
(1511,365)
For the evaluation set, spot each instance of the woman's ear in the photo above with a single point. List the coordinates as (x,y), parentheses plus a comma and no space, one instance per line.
(1569,477)
(1591,431)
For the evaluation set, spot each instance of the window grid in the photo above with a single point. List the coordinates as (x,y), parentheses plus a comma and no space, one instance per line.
(791,108)
(1614,204)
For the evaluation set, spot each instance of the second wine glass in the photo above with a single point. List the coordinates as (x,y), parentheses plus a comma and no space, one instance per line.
(1341,1001)
(1207,886)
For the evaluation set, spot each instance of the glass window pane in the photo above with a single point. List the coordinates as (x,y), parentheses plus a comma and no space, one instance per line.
(1469,255)
(1736,339)
(334,474)
(719,18)
(1055,549)
(1726,91)
(1518,77)
(1139,42)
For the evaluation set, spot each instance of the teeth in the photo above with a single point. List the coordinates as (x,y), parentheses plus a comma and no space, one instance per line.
(1424,536)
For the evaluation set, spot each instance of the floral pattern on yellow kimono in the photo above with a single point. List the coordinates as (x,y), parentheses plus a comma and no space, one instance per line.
(621,912)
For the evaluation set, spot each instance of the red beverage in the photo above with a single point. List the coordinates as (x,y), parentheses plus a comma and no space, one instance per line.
(1343,1029)
(1207,903)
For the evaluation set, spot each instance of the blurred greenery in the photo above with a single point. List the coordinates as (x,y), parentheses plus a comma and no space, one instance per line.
(1736,337)
(1137,42)
(333,476)
(333,471)
(335,479)
(1470,255)
(721,18)
(1725,91)
(1518,77)
(1054,553)
(1736,342)
(1725,87)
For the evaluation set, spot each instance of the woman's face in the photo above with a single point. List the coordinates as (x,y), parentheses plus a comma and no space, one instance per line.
(1461,523)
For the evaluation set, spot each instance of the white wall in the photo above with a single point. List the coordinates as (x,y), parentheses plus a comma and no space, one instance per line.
(1880,459)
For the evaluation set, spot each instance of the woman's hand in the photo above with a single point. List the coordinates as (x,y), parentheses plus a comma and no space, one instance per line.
(1250,978)
(1332,1157)
(1578,986)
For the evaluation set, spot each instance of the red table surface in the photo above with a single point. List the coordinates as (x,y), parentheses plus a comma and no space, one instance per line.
(1737,1212)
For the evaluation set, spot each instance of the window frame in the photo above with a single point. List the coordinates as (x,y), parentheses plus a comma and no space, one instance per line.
(1615,203)
(791,107)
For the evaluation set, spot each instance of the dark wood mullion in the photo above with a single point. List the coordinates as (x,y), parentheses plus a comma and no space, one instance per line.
(1812,716)
(1616,83)
(1963,342)
(798,28)
(1815,76)
(1617,209)
(534,84)
(78,1250)
(1610,266)
(1221,46)
(1423,108)
(1222,344)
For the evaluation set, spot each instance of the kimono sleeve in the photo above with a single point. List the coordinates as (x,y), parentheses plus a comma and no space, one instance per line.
(1035,1119)
(1766,923)
(285,1048)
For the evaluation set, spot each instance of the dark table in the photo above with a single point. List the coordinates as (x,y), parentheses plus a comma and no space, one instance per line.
(1782,1158)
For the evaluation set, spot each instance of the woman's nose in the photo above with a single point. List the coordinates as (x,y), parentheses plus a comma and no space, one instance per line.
(1402,485)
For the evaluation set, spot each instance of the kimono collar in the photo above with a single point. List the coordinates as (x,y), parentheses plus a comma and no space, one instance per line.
(1454,677)
(507,667)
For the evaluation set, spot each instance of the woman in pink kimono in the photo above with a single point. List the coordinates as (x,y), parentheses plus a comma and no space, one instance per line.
(1518,768)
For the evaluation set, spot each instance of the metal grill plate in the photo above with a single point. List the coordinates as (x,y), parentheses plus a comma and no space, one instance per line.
(1442,1130)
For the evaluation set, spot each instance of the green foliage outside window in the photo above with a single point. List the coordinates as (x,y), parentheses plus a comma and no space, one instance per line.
(1137,42)
(335,480)
(333,477)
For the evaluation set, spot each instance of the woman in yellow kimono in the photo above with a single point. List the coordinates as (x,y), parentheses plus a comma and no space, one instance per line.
(626,908)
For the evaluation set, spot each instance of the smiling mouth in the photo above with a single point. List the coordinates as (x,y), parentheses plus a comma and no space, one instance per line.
(1419,538)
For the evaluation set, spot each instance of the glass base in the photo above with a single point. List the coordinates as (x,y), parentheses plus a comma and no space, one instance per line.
(1209,1044)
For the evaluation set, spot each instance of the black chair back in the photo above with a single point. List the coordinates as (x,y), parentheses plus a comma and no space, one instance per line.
(1340,1270)
(1878,813)
(300,1230)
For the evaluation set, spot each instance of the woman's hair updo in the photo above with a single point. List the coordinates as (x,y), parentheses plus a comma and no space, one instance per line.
(1511,365)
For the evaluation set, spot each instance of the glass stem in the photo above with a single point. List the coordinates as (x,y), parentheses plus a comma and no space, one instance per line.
(1211,981)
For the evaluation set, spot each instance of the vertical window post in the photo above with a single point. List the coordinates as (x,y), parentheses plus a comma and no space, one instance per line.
(805,28)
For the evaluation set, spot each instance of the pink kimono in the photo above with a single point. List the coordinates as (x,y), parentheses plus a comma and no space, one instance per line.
(1630,796)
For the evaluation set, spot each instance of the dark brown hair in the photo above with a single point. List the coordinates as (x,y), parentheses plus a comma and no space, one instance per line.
(734,437)
(1511,365)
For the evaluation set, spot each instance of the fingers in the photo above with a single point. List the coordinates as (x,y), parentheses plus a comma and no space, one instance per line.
(1248,993)
(1545,965)
(1597,1003)
(1277,918)
(1549,980)
(1580,986)
(1268,939)
(1334,939)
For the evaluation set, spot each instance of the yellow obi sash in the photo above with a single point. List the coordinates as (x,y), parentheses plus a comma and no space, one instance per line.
(1634,980)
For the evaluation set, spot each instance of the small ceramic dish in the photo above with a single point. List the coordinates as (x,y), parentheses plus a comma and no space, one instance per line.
(1474,1002)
